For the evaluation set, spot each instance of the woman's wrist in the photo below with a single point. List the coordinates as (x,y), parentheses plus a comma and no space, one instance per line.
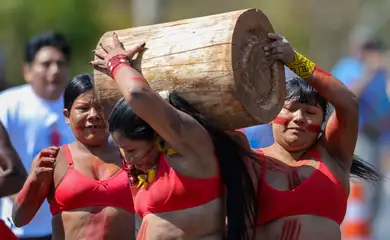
(117,68)
(302,66)
(117,62)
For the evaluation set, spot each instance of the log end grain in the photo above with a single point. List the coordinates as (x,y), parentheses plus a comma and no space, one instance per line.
(260,87)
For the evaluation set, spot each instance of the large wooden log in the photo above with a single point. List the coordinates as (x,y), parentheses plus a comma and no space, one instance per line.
(214,62)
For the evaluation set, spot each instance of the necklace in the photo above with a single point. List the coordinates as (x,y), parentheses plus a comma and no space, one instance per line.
(146,178)
(140,178)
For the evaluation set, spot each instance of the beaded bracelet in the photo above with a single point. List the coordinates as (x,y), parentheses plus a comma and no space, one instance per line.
(116,61)
(302,66)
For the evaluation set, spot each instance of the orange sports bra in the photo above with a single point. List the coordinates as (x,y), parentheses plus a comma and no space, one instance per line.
(171,191)
(321,194)
(76,190)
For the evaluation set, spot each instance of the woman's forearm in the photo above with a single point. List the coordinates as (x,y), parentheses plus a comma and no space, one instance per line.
(27,202)
(130,81)
(331,88)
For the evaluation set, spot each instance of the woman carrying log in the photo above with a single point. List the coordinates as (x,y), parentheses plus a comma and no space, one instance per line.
(180,166)
(303,185)
(87,190)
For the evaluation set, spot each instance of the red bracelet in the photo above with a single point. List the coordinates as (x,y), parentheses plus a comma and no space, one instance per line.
(116,59)
(116,62)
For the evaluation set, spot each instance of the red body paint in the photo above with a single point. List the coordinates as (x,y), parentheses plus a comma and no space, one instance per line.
(281,121)
(20,198)
(28,188)
(322,80)
(293,179)
(96,227)
(27,202)
(319,70)
(291,230)
(284,121)
(138,79)
(142,231)
(77,128)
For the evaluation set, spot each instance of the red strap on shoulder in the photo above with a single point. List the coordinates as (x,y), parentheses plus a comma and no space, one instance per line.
(68,155)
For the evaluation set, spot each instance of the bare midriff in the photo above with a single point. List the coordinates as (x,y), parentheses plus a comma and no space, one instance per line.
(91,223)
(205,222)
(301,227)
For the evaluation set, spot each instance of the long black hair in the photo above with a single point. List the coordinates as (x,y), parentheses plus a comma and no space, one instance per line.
(299,90)
(241,198)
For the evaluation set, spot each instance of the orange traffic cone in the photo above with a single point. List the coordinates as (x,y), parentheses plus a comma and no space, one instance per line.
(356,225)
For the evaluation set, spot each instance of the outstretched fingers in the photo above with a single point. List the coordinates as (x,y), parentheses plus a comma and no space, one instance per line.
(105,47)
(108,52)
(130,54)
(100,60)
(97,62)
(117,43)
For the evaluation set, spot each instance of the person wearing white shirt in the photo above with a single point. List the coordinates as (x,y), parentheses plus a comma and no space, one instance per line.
(32,115)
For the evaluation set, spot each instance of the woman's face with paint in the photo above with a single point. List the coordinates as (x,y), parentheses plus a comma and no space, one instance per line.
(86,119)
(143,154)
(297,125)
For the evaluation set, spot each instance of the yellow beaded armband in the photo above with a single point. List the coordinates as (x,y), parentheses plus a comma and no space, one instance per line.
(302,66)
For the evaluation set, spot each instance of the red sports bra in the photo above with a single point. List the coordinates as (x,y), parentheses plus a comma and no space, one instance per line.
(321,194)
(172,191)
(76,190)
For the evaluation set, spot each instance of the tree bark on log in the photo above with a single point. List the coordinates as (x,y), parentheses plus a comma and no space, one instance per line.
(215,62)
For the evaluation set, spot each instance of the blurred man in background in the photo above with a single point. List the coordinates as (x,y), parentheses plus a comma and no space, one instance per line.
(32,115)
(368,78)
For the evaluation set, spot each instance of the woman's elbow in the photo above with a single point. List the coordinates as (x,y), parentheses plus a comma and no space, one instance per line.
(137,94)
(18,220)
(347,105)
(21,217)
(18,224)
(353,105)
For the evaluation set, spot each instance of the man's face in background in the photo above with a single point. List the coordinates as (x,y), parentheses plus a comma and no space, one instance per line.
(48,74)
